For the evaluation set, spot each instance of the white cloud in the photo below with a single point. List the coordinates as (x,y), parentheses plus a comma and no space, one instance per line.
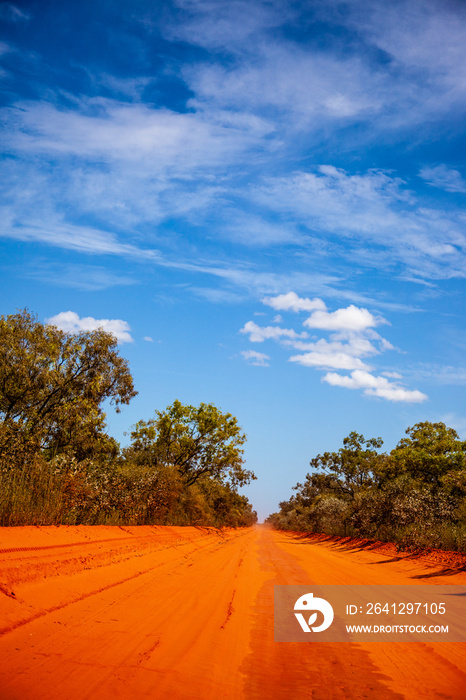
(355,345)
(70,322)
(324,360)
(350,319)
(352,338)
(258,334)
(383,342)
(445,178)
(129,166)
(292,302)
(259,359)
(375,386)
(148,339)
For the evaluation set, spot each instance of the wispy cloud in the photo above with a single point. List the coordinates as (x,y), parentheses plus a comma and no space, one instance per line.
(389,83)
(12,13)
(271,86)
(252,357)
(256,231)
(409,35)
(428,28)
(130,166)
(215,26)
(160,140)
(124,167)
(445,178)
(456,422)
(440,374)
(83,239)
(88,278)
(373,208)
(257,282)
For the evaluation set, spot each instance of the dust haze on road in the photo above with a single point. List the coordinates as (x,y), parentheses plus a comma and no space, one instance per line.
(184,612)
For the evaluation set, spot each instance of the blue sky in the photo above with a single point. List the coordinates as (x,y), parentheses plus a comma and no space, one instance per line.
(263,200)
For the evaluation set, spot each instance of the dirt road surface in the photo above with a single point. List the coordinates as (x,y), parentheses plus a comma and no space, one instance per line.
(170,612)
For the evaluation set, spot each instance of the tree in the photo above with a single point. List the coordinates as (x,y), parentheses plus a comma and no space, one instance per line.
(194,440)
(349,470)
(414,496)
(53,384)
(429,454)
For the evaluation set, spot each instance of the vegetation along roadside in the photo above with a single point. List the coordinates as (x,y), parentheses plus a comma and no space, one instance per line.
(58,465)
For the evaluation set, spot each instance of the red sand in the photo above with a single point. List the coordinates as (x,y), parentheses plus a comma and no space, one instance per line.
(171,612)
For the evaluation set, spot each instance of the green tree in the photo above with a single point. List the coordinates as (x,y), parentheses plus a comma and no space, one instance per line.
(430,454)
(53,384)
(348,471)
(196,441)
(330,495)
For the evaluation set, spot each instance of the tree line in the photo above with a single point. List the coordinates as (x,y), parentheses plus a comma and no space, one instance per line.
(59,465)
(414,495)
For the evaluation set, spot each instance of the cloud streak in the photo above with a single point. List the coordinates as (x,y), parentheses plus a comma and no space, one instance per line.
(444,178)
(118,132)
(368,209)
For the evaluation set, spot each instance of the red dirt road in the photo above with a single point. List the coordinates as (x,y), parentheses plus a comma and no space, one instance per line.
(167,612)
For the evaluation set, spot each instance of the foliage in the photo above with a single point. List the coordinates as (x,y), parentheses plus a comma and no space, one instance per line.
(63,490)
(196,441)
(57,464)
(429,453)
(349,470)
(415,496)
(53,384)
